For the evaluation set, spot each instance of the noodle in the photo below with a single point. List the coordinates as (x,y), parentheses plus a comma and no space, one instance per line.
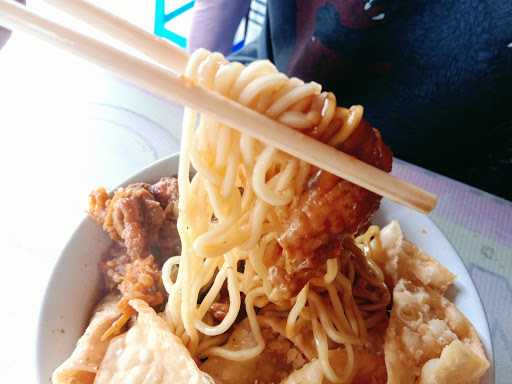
(335,335)
(297,308)
(255,328)
(234,307)
(323,355)
(332,271)
(230,213)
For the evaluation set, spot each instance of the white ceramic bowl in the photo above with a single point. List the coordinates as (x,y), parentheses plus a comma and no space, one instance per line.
(73,287)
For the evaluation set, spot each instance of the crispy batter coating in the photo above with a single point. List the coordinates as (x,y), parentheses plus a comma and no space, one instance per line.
(331,206)
(165,192)
(142,280)
(132,216)
(141,219)
(113,266)
(168,243)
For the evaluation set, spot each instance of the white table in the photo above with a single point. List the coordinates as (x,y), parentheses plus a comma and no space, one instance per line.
(65,128)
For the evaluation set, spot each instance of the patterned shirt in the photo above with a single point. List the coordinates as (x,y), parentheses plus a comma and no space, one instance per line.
(434,76)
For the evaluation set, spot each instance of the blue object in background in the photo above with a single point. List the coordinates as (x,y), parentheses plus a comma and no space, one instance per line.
(254,18)
(162,18)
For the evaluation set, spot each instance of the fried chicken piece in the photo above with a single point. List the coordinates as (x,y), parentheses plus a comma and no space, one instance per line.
(288,279)
(141,219)
(136,218)
(166,193)
(142,280)
(98,201)
(132,216)
(134,278)
(140,216)
(168,243)
(113,266)
(331,206)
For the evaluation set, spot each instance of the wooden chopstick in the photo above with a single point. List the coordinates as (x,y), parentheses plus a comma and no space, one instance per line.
(182,90)
(158,50)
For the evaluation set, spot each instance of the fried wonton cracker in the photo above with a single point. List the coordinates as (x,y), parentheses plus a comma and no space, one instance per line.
(402,259)
(149,353)
(280,357)
(429,341)
(311,373)
(82,365)
(293,361)
(369,368)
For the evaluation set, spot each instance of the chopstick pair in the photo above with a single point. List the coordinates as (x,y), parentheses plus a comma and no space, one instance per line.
(163,77)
